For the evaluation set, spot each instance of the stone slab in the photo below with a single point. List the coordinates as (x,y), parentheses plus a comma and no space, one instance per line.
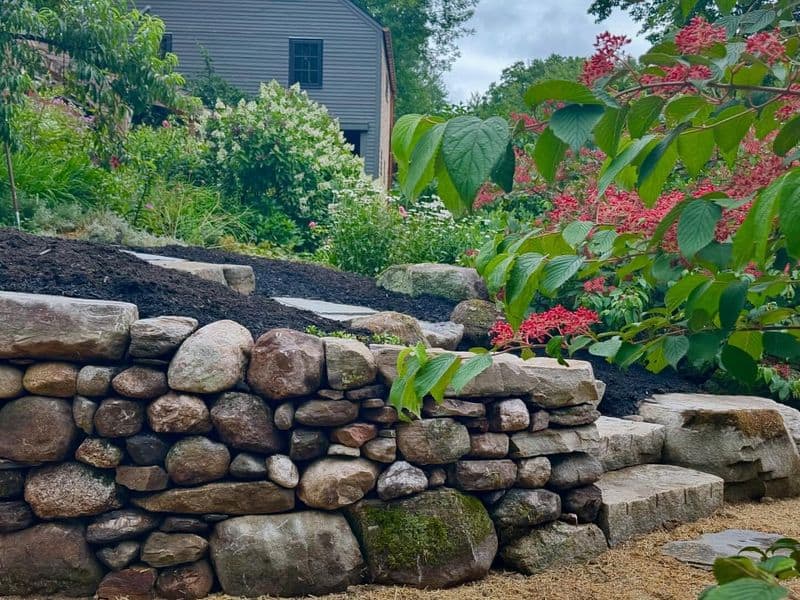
(328,310)
(703,551)
(641,499)
(625,443)
(555,441)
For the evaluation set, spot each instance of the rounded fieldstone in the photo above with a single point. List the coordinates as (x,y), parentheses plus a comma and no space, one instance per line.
(120,556)
(196,460)
(119,525)
(146,449)
(14,515)
(286,364)
(134,583)
(284,416)
(179,413)
(307,444)
(142,479)
(170,549)
(248,466)
(212,359)
(99,453)
(574,470)
(383,450)
(159,336)
(185,582)
(433,441)
(35,429)
(332,483)
(141,383)
(12,483)
(83,411)
(70,490)
(326,413)
(56,379)
(354,435)
(349,363)
(405,327)
(483,475)
(488,445)
(574,416)
(244,421)
(95,381)
(117,418)
(10,382)
(281,470)
(401,479)
(509,415)
(533,472)
(477,317)
(340,450)
(519,510)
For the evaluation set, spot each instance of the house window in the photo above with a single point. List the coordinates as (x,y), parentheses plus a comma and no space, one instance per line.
(305,63)
(166,44)
(353,137)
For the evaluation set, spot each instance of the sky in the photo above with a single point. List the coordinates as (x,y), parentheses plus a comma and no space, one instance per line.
(510,30)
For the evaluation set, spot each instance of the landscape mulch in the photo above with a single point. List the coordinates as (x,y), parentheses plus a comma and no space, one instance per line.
(46,265)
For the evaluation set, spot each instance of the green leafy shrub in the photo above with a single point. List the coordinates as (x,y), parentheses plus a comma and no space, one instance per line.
(211,87)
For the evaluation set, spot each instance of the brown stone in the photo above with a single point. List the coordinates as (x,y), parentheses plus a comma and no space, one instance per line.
(135,583)
(286,364)
(118,418)
(284,416)
(248,466)
(405,327)
(477,317)
(433,441)
(452,407)
(574,416)
(142,479)
(354,435)
(68,490)
(385,416)
(332,483)
(533,472)
(488,445)
(197,459)
(141,383)
(184,525)
(509,415)
(584,502)
(99,453)
(170,549)
(326,413)
(349,363)
(239,498)
(95,382)
(382,450)
(10,382)
(160,336)
(244,421)
(307,444)
(36,429)
(179,413)
(146,449)
(185,582)
(120,556)
(376,390)
(83,411)
(574,470)
(14,515)
(120,525)
(47,559)
(60,328)
(483,475)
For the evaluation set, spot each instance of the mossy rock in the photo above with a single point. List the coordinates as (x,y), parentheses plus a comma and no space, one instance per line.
(435,539)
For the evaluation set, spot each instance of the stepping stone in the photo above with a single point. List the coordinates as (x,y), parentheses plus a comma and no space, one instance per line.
(329,310)
(240,278)
(703,551)
(643,498)
(626,443)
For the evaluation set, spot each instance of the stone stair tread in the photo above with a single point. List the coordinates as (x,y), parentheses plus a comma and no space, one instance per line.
(642,498)
(625,443)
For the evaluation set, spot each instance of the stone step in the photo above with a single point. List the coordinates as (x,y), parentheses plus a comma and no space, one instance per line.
(240,278)
(641,499)
(625,443)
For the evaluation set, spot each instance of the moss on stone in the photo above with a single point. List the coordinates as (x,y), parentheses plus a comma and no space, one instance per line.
(766,424)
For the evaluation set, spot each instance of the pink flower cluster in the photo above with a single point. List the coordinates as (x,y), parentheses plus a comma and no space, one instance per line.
(678,75)
(539,327)
(699,35)
(595,286)
(768,46)
(606,57)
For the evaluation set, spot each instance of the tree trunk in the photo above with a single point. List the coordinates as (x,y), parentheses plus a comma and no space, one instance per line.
(14,198)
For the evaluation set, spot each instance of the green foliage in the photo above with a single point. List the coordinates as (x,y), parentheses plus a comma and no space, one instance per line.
(210,86)
(744,578)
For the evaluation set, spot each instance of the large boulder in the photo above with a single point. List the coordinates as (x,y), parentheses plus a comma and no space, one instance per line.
(36,429)
(435,539)
(212,359)
(227,498)
(244,421)
(55,327)
(554,544)
(332,483)
(51,558)
(477,317)
(447,281)
(433,441)
(349,363)
(286,364)
(299,554)
(625,443)
(405,327)
(68,490)
(742,439)
(160,336)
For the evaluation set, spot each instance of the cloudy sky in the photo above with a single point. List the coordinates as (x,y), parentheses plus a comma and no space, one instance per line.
(510,30)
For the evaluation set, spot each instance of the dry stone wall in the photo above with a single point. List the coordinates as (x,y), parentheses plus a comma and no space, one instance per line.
(150,457)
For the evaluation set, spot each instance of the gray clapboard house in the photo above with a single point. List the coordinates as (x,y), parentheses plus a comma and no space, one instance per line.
(339,54)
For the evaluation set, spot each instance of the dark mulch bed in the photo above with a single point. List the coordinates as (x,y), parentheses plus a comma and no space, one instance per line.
(315,282)
(43,265)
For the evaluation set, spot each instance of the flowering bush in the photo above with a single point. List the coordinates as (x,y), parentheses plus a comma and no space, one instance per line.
(283,154)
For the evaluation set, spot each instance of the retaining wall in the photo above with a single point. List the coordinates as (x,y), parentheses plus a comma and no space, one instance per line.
(144,457)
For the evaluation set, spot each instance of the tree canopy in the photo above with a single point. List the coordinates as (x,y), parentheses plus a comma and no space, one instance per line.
(424,35)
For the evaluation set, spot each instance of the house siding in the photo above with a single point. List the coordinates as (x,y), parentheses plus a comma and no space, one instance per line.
(248,40)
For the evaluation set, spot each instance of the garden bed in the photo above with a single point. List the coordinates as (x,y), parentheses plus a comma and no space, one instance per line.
(45,265)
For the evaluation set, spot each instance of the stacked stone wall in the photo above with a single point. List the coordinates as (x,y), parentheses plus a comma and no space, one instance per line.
(150,457)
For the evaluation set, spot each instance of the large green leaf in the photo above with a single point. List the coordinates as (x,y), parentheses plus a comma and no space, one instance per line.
(407,132)
(675,348)
(789,213)
(703,348)
(607,348)
(697,225)
(503,172)
(422,163)
(622,160)
(695,149)
(548,154)
(752,238)
(471,149)
(679,293)
(434,377)
(739,364)
(496,272)
(643,114)
(574,123)
(732,302)
(558,271)
(656,169)
(576,232)
(687,6)
(521,287)
(469,370)
(560,90)
(751,342)
(781,345)
(608,132)
(684,108)
(745,589)
(731,125)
